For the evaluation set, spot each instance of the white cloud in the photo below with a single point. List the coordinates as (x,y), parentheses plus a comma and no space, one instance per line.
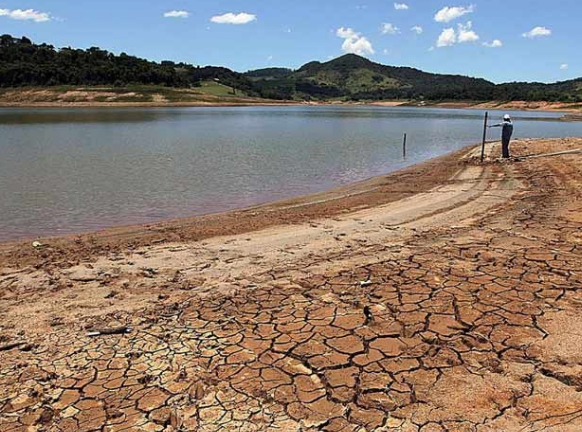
(360,46)
(231,18)
(466,33)
(177,14)
(537,32)
(447,38)
(448,13)
(417,29)
(391,29)
(401,6)
(26,15)
(495,44)
(564,66)
(354,42)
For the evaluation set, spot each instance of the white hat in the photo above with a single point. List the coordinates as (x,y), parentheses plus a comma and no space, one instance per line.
(507,117)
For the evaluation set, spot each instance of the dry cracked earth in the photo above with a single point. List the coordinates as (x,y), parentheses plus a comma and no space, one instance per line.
(458,309)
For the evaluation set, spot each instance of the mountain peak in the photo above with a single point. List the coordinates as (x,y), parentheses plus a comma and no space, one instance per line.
(350,60)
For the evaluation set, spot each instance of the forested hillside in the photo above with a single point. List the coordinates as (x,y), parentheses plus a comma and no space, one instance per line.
(23,63)
(350,77)
(356,78)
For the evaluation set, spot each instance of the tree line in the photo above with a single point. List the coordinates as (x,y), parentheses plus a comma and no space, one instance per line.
(23,63)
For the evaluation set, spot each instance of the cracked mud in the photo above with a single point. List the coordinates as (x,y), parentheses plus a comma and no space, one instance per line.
(452,309)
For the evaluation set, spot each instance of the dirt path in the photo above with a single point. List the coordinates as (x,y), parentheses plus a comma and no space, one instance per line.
(454,308)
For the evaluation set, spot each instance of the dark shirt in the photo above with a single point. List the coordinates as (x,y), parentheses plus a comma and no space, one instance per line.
(507,131)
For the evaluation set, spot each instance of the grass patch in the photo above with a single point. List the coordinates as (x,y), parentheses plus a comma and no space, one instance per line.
(217,89)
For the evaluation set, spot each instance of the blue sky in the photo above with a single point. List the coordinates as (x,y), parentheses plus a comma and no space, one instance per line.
(538,40)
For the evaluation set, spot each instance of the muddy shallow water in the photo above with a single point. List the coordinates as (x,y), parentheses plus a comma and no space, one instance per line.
(73,170)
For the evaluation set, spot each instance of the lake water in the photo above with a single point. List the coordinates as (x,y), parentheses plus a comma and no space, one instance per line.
(73,170)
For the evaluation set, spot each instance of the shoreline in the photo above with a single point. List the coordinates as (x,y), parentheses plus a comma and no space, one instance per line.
(541,106)
(446,295)
(575,109)
(143,104)
(368,193)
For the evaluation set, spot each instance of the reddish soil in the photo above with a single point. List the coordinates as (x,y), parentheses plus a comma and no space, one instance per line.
(446,297)
(95,97)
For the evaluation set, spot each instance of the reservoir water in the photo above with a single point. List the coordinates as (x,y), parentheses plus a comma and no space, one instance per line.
(75,170)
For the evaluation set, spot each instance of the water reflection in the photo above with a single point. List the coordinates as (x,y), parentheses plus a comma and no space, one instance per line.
(69,170)
(26,116)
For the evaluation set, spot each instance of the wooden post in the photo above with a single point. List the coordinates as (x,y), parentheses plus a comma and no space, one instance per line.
(404,147)
(484,136)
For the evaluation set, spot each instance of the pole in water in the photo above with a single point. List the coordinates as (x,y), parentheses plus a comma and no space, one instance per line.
(484,136)
(404,147)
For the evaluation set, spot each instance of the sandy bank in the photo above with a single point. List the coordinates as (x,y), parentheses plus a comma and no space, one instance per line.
(513,106)
(574,108)
(193,104)
(503,106)
(159,97)
(130,97)
(328,204)
(442,297)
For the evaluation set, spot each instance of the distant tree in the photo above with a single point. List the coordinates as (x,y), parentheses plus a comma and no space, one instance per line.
(23,63)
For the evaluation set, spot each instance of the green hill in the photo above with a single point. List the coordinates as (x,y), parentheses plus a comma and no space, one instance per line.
(354,77)
(269,73)
(24,63)
(564,91)
(350,77)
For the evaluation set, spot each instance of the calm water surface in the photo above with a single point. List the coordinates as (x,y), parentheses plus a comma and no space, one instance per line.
(64,170)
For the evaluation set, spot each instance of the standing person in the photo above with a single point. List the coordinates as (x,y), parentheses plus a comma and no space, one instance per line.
(506,134)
